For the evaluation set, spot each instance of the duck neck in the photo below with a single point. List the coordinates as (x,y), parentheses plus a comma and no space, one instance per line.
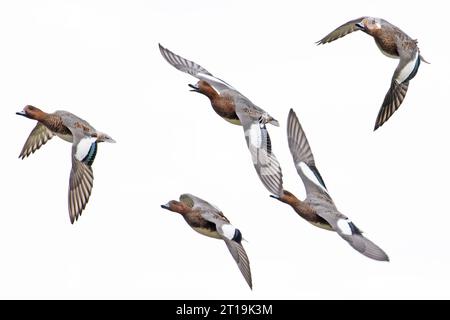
(40,115)
(294,202)
(207,90)
(181,208)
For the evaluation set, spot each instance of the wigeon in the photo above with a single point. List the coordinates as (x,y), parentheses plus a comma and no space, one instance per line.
(318,208)
(393,43)
(209,221)
(84,139)
(231,105)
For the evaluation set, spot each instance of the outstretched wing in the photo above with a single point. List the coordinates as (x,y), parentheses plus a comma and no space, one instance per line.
(84,150)
(193,69)
(259,144)
(319,199)
(299,146)
(304,162)
(405,71)
(232,237)
(241,258)
(80,188)
(38,137)
(341,31)
(354,237)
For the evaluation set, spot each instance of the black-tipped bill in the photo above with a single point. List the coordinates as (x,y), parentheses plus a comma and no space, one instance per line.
(22,113)
(194,88)
(360,25)
(275,197)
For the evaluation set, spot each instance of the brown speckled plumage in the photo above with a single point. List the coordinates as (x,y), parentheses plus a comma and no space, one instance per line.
(209,221)
(394,43)
(74,130)
(318,208)
(234,107)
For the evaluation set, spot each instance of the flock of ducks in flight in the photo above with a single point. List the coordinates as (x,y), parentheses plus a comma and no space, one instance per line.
(318,208)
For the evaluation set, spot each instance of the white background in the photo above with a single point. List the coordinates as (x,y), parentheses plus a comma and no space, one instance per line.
(100,60)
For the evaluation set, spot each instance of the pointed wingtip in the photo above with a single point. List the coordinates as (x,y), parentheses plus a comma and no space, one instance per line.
(161,48)
(384,258)
(291,113)
(377,125)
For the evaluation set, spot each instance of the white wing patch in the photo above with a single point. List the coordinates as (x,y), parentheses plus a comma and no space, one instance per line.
(310,175)
(407,69)
(228,231)
(344,226)
(83,147)
(254,135)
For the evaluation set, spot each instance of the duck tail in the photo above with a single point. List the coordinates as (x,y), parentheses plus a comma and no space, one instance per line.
(274,122)
(423,59)
(103,137)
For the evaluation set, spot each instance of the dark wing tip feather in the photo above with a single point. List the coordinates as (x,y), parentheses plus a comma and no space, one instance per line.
(240,256)
(341,31)
(298,143)
(366,247)
(181,63)
(37,138)
(392,101)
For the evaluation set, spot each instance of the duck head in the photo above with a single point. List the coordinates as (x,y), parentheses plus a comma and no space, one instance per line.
(369,24)
(287,197)
(30,112)
(204,88)
(176,206)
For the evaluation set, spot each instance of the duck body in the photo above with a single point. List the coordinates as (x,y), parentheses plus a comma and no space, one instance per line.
(209,221)
(237,109)
(207,228)
(393,43)
(318,208)
(84,139)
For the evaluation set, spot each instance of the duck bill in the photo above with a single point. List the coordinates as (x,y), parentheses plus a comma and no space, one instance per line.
(165,206)
(21,113)
(194,88)
(360,25)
